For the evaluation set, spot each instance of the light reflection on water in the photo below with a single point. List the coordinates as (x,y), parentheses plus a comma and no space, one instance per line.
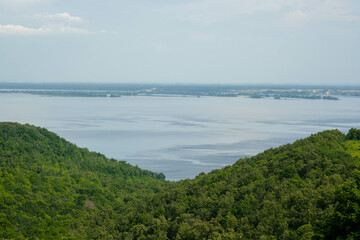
(180,136)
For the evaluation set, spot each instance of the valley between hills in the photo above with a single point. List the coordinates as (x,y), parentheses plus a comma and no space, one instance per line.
(52,189)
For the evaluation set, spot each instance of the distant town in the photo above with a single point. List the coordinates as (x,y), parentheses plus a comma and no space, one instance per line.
(118,90)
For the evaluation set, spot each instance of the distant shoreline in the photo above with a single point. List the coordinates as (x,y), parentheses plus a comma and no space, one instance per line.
(169,90)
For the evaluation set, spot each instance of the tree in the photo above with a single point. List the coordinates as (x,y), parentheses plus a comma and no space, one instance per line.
(345,221)
(353,134)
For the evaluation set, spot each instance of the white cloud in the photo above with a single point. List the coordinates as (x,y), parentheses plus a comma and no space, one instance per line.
(58,17)
(297,17)
(12,29)
(208,11)
(52,24)
(18,29)
(323,10)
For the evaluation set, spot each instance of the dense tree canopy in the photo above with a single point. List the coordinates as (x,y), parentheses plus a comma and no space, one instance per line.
(51,189)
(353,134)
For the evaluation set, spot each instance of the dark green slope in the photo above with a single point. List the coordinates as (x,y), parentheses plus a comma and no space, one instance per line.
(51,189)
(291,192)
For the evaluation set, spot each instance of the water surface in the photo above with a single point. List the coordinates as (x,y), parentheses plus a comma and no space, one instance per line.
(180,136)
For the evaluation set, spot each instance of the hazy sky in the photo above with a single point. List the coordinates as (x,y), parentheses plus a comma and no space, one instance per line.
(188,41)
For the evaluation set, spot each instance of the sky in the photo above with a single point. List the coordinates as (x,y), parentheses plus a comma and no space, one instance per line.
(188,41)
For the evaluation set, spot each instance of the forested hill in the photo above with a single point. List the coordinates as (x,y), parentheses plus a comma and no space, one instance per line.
(296,191)
(51,189)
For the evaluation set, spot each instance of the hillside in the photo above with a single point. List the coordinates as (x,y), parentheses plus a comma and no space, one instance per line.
(51,189)
(296,191)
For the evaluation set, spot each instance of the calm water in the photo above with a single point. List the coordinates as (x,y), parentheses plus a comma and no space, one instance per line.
(180,136)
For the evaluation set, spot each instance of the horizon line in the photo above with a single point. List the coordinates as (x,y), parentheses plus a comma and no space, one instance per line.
(183,84)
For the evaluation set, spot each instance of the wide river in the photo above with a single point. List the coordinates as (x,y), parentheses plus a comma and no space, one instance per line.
(180,136)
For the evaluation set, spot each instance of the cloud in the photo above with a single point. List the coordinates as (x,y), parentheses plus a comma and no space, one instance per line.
(52,24)
(335,10)
(12,29)
(18,29)
(58,17)
(323,10)
(209,11)
(297,17)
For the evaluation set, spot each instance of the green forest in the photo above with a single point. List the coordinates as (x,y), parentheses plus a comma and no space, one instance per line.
(52,189)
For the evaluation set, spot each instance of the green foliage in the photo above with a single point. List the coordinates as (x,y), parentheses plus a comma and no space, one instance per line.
(344,223)
(353,147)
(283,193)
(51,189)
(353,134)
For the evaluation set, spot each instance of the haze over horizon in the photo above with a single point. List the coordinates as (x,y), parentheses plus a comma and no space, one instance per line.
(195,41)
